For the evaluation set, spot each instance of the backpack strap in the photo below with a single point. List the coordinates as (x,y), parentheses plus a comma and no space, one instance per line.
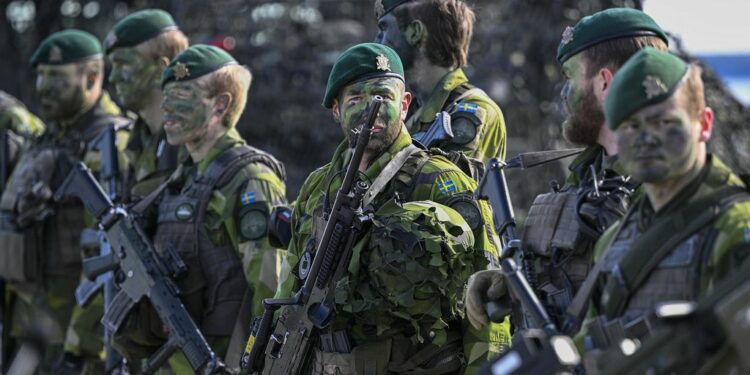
(388,172)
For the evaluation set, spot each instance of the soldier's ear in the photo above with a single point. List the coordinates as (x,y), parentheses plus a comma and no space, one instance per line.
(163,61)
(706,124)
(222,103)
(415,32)
(602,82)
(336,111)
(405,102)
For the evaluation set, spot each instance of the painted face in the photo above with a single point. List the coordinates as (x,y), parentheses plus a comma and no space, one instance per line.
(61,90)
(186,112)
(352,111)
(391,35)
(585,115)
(133,76)
(659,142)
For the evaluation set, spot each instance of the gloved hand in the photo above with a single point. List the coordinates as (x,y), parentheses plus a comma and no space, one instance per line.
(483,287)
(599,210)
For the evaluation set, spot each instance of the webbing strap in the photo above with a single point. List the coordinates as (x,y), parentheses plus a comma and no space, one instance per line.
(387,174)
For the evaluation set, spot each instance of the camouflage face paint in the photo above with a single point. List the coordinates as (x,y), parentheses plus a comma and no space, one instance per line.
(658,143)
(186,112)
(390,34)
(61,91)
(133,76)
(585,115)
(354,100)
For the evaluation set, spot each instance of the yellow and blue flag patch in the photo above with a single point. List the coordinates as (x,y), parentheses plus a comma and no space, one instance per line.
(446,187)
(467,107)
(247,198)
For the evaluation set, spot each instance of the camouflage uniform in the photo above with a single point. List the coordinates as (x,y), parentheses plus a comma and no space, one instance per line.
(699,258)
(44,303)
(477,121)
(22,126)
(368,317)
(208,240)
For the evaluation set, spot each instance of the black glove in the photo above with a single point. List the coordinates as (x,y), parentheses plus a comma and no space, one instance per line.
(601,206)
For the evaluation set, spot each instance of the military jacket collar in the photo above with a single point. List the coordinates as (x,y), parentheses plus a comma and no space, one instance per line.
(437,98)
(593,155)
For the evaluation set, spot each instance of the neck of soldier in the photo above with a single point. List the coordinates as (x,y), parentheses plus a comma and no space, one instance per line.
(88,103)
(607,140)
(424,76)
(152,114)
(661,193)
(200,146)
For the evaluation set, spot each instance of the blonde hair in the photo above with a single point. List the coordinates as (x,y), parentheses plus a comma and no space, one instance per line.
(691,90)
(167,44)
(233,79)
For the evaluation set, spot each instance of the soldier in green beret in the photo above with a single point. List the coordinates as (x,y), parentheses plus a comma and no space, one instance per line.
(690,229)
(562,226)
(399,311)
(139,47)
(432,39)
(213,210)
(40,237)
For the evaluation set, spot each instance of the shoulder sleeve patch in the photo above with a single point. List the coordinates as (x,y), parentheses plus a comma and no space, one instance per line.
(466,107)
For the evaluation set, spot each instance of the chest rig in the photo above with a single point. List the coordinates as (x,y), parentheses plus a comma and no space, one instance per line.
(672,251)
(214,283)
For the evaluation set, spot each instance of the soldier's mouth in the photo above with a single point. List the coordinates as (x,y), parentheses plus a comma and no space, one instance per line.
(169,124)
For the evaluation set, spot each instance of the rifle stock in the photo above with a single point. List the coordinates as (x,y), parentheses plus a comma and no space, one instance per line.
(145,274)
(285,348)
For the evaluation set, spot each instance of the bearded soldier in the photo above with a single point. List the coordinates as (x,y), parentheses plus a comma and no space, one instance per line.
(40,244)
(690,228)
(432,39)
(139,47)
(213,208)
(398,309)
(562,226)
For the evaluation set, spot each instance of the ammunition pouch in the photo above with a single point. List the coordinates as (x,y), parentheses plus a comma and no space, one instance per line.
(552,225)
(21,255)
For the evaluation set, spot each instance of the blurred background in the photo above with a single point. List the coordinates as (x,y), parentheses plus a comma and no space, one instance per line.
(290,46)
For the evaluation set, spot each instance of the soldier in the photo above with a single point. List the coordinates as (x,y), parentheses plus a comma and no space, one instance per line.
(40,238)
(690,229)
(213,208)
(139,47)
(22,128)
(378,315)
(432,39)
(562,226)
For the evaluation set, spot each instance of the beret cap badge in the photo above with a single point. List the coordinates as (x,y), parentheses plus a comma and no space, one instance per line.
(653,86)
(181,70)
(383,63)
(55,54)
(567,36)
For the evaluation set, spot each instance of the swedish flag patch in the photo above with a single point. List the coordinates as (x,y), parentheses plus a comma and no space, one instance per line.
(247,198)
(467,107)
(446,187)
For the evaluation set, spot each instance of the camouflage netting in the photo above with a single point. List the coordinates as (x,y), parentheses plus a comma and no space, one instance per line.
(290,45)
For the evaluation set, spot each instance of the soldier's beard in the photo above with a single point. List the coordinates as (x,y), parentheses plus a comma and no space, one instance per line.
(584,123)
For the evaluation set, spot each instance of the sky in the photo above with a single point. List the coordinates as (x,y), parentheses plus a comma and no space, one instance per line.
(706,27)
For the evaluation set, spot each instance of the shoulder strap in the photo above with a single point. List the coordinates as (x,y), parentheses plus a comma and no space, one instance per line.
(471,91)
(232,160)
(390,170)
(403,183)
(651,247)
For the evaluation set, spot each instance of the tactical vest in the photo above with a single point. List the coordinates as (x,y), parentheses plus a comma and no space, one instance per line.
(676,276)
(214,285)
(48,241)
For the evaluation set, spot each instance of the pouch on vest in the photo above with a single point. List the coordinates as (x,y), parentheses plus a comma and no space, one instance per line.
(20,258)
(552,223)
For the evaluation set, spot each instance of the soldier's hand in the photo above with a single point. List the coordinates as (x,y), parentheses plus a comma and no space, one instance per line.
(599,210)
(484,286)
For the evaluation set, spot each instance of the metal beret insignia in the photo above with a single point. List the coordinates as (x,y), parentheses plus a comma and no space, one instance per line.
(654,86)
(181,70)
(110,40)
(55,54)
(383,63)
(567,35)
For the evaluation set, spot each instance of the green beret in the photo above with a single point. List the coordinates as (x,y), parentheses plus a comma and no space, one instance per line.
(606,25)
(196,61)
(67,46)
(361,62)
(139,27)
(649,77)
(382,7)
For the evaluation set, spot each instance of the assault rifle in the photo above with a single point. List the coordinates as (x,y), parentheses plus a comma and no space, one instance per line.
(141,272)
(539,349)
(439,131)
(286,348)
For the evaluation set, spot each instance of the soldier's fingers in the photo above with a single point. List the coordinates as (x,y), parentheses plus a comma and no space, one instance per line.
(497,288)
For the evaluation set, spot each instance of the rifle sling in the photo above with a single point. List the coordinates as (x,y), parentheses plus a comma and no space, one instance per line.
(650,248)
(387,174)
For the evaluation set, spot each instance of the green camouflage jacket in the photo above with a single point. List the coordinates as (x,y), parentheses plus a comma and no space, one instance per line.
(727,238)
(580,169)
(23,126)
(260,260)
(477,108)
(438,180)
